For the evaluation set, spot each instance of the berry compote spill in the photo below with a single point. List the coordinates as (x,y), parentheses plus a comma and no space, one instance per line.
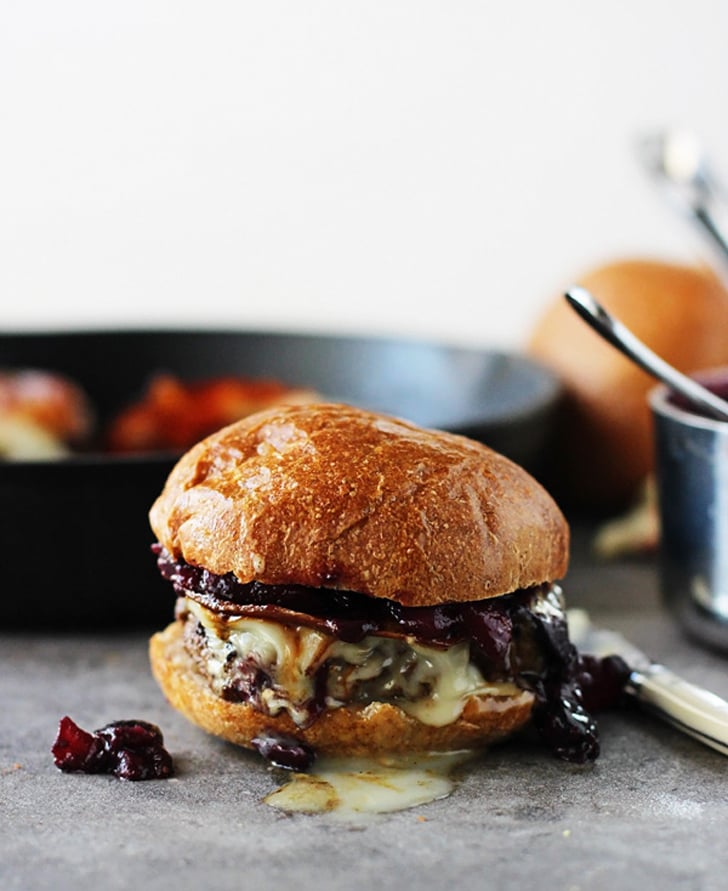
(130,750)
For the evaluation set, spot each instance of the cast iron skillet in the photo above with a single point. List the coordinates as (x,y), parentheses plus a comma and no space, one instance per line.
(74,536)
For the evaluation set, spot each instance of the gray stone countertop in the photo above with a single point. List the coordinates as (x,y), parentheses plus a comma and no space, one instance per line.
(651,813)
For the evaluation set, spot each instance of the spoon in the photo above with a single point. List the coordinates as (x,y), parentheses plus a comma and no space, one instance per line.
(677,160)
(614,332)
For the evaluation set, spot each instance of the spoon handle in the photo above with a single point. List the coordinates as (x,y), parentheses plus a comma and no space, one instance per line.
(706,219)
(614,332)
(677,163)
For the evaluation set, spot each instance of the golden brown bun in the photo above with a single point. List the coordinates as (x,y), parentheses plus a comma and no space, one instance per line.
(353,730)
(604,446)
(336,497)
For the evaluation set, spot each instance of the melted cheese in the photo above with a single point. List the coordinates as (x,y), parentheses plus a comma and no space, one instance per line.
(368,786)
(429,683)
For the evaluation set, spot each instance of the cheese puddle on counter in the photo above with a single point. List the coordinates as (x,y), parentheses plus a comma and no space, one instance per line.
(367,786)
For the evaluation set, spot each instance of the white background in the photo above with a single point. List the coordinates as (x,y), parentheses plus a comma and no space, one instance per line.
(406,167)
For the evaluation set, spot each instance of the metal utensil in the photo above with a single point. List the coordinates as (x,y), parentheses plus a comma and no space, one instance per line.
(614,332)
(689,708)
(677,161)
(691,470)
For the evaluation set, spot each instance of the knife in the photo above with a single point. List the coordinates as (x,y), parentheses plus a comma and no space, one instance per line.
(686,706)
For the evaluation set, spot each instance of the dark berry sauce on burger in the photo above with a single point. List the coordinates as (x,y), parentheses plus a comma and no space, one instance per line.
(509,637)
(284,751)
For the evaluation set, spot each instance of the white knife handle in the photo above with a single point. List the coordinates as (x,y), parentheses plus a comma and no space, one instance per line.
(690,708)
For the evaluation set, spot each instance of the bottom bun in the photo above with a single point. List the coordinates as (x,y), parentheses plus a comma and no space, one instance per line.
(373,729)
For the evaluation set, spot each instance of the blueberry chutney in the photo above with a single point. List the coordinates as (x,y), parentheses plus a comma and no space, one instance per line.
(130,750)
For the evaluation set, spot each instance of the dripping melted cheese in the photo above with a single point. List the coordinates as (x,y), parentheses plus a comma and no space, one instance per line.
(428,683)
(348,786)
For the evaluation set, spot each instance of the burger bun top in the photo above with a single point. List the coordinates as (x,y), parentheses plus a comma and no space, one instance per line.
(331,496)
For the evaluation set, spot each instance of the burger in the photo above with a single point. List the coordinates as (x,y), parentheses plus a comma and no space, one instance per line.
(349,583)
